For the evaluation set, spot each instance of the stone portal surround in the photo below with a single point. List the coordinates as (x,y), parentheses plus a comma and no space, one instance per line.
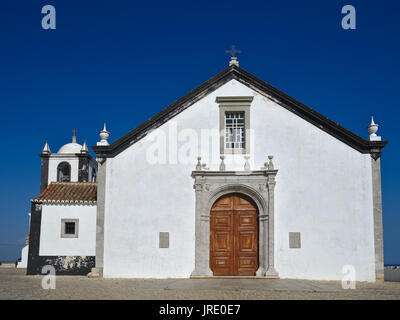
(209,187)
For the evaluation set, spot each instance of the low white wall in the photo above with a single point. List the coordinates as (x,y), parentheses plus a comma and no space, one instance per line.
(51,243)
(392,273)
(7,265)
(24,257)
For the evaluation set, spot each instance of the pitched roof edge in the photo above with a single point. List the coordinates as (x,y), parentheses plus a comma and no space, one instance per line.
(241,75)
(164,115)
(51,191)
(336,130)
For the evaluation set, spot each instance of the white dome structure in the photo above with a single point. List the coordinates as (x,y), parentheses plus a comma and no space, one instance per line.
(71,147)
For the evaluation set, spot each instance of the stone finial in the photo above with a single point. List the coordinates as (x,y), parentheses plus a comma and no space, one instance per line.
(46,148)
(270,165)
(222,165)
(84,148)
(372,129)
(234,62)
(247,163)
(204,166)
(104,135)
(198,165)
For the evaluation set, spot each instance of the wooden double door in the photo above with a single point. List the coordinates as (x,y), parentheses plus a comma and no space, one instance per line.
(234,236)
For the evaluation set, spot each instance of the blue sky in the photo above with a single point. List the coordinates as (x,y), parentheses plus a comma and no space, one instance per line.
(123,61)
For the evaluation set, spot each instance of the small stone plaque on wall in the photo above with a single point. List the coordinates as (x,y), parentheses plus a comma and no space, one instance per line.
(164,240)
(294,240)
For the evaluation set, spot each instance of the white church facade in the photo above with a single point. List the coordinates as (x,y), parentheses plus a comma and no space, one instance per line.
(236,178)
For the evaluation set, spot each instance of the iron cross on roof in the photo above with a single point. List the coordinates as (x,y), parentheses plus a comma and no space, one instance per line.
(234,60)
(74,136)
(233,51)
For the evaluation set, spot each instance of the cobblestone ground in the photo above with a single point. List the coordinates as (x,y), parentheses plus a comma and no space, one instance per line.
(14,284)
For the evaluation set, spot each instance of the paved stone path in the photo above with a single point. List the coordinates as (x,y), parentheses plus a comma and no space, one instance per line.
(14,284)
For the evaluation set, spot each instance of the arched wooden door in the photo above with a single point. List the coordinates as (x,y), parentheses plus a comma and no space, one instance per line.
(234,236)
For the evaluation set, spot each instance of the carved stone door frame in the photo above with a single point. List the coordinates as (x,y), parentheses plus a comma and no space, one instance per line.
(209,187)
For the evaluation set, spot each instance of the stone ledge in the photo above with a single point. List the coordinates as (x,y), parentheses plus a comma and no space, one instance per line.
(234,277)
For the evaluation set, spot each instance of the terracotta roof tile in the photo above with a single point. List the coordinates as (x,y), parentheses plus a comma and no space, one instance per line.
(69,192)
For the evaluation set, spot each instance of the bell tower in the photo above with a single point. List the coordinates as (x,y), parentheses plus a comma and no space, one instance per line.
(72,163)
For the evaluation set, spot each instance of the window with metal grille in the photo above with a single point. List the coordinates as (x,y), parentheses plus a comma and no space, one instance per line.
(69,227)
(234,130)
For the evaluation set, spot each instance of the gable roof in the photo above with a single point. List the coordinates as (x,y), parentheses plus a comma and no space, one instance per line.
(69,192)
(241,75)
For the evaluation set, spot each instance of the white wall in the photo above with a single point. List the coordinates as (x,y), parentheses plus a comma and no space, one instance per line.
(51,243)
(323,190)
(24,258)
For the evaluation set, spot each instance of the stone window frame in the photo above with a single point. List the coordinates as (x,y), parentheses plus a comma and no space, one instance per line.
(67,235)
(234,104)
